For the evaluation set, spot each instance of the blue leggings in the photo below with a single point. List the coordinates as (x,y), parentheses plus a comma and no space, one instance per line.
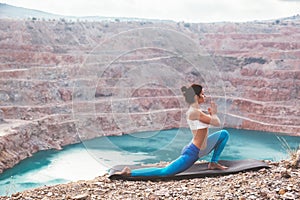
(189,155)
(215,141)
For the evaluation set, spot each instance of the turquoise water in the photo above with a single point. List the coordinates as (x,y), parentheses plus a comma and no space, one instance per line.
(94,157)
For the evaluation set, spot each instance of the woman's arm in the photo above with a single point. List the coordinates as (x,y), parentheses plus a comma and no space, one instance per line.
(214,120)
(210,118)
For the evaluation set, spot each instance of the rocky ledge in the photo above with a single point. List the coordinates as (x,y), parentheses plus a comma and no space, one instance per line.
(280,181)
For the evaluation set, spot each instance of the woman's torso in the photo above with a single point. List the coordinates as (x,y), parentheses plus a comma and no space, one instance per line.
(199,130)
(195,124)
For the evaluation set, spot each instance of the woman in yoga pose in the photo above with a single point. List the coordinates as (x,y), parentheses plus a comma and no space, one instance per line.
(201,144)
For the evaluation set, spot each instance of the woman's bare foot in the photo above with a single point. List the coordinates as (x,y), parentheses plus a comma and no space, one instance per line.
(125,172)
(213,165)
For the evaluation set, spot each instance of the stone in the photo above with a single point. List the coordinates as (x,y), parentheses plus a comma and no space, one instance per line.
(81,196)
(282,191)
(153,197)
(49,194)
(286,174)
(289,196)
(264,192)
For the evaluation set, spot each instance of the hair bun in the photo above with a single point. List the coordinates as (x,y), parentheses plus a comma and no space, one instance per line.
(183,89)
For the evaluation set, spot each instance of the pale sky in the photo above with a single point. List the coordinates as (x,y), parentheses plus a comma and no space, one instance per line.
(177,10)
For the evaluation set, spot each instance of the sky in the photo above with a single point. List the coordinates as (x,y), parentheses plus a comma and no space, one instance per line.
(177,10)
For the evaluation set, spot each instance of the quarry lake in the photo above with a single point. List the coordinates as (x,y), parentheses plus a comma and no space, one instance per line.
(94,157)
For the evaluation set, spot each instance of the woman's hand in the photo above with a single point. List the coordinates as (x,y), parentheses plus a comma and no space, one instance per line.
(215,121)
(213,109)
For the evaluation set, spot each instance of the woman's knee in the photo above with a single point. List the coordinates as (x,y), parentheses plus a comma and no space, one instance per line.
(224,134)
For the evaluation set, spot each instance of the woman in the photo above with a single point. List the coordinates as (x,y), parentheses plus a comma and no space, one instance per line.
(201,144)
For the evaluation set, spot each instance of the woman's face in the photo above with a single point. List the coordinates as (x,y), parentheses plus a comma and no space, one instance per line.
(201,97)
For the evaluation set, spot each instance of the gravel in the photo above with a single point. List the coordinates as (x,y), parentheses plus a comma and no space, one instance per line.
(281,181)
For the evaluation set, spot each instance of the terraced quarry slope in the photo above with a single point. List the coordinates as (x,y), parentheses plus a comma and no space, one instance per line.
(62,82)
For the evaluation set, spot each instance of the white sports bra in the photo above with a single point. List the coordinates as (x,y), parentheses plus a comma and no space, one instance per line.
(195,124)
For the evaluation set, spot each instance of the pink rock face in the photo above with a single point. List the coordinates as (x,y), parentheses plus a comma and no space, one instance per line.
(56,83)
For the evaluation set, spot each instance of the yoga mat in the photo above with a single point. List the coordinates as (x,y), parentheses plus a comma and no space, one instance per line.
(198,170)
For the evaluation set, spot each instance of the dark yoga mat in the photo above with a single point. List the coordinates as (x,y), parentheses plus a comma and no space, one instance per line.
(198,170)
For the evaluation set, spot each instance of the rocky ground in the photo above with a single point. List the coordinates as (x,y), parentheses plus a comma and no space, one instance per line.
(280,181)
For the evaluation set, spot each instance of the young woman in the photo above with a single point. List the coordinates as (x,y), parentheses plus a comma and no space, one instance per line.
(201,144)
